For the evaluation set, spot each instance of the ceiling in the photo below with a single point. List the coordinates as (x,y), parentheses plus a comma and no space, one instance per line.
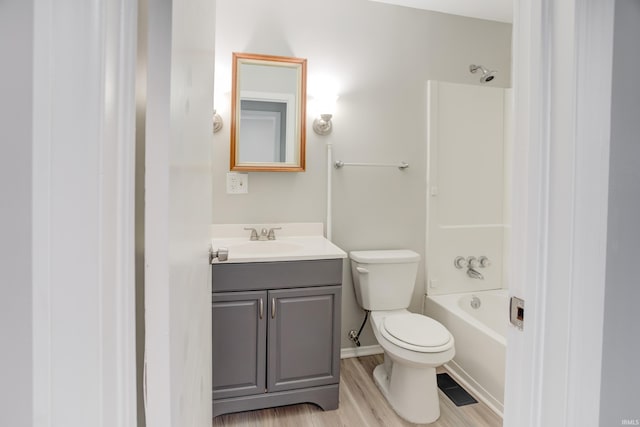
(493,10)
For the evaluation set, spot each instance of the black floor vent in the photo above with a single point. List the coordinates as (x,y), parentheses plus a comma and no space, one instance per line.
(454,391)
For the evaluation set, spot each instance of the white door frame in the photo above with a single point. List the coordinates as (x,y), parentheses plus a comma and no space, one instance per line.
(562,84)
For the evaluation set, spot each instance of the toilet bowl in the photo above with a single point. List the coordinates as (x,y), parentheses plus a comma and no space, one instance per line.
(414,344)
(407,378)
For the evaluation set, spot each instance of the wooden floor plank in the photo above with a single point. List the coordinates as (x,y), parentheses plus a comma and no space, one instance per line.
(361,404)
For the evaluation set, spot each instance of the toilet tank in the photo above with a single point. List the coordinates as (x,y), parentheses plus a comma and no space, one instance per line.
(384,279)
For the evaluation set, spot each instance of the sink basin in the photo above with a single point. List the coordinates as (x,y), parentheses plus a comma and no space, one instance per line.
(290,248)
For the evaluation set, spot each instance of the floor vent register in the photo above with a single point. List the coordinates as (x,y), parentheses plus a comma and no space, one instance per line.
(454,391)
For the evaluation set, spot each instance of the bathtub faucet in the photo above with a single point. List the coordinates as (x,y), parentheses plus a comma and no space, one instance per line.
(474,274)
(471,263)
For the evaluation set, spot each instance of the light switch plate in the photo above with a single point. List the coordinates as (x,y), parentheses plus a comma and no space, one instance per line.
(237,183)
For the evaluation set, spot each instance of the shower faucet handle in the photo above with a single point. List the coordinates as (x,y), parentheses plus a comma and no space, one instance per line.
(460,262)
(484,261)
(472,262)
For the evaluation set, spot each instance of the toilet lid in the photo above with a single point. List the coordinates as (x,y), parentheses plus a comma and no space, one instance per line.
(416,329)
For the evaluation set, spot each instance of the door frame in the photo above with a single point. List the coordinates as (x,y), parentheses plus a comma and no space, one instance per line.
(559,209)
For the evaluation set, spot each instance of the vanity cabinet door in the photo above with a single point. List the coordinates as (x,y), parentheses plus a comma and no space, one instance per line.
(239,343)
(304,337)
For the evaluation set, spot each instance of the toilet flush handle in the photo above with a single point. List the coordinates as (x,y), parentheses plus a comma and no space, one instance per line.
(362,270)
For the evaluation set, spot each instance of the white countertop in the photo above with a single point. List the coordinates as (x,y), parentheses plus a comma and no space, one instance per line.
(294,242)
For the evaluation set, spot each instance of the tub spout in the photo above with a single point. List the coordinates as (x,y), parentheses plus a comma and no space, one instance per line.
(474,274)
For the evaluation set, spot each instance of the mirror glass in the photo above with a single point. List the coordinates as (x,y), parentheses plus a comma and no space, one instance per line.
(268,113)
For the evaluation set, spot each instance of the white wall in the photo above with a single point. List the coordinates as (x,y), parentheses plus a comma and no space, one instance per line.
(16,41)
(381,57)
(620,389)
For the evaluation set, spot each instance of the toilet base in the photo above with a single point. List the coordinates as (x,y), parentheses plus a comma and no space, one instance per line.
(412,392)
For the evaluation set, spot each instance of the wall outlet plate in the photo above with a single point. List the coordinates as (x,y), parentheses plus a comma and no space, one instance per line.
(237,183)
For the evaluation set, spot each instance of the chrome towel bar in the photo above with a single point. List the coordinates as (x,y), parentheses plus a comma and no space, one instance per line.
(403,165)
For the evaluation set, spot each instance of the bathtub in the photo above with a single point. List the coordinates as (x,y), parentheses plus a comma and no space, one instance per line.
(480,335)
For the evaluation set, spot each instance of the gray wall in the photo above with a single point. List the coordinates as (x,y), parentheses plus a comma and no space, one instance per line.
(16,51)
(381,57)
(620,390)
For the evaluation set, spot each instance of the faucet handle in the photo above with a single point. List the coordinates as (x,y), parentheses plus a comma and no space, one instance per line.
(484,261)
(460,262)
(254,233)
(473,262)
(272,235)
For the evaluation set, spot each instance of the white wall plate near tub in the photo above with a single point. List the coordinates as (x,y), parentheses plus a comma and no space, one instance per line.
(237,183)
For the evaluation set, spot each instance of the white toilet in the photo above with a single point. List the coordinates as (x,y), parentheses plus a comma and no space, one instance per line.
(414,345)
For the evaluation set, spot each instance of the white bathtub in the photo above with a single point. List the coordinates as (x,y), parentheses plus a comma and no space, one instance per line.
(480,336)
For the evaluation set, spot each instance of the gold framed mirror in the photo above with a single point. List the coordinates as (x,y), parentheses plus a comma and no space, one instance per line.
(268,104)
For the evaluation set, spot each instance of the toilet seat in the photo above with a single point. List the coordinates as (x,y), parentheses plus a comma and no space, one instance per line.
(416,332)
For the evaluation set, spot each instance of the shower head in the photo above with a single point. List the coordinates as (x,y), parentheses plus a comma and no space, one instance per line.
(487,75)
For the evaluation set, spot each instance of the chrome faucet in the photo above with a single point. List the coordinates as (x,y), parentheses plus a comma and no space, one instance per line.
(264,234)
(472,264)
(474,274)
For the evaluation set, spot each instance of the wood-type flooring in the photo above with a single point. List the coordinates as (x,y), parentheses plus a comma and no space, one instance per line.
(361,404)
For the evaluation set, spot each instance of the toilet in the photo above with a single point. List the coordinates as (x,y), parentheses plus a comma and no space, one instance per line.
(414,345)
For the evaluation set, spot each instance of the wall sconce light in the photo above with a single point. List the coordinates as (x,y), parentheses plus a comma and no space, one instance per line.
(325,106)
(217,122)
(322,125)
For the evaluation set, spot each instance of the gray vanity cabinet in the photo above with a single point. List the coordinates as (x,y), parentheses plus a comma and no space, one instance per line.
(235,315)
(276,334)
(301,334)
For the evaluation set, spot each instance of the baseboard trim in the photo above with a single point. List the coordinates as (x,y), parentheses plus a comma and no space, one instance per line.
(471,385)
(368,350)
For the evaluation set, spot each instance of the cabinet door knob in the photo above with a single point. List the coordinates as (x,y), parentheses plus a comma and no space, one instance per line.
(261,308)
(273,308)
